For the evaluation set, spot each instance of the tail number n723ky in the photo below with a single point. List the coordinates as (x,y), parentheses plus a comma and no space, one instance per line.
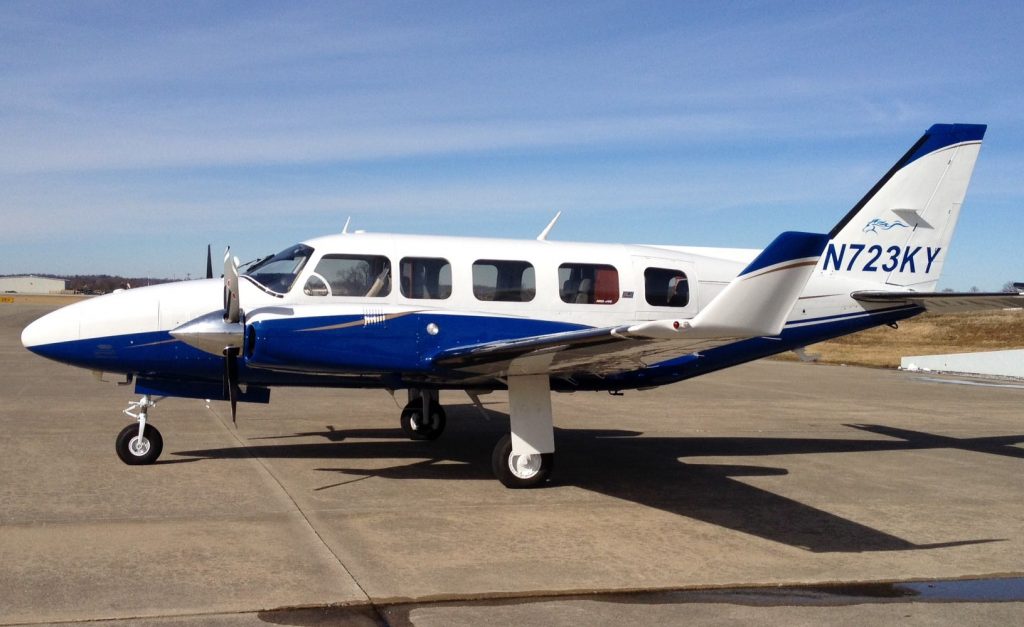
(876,258)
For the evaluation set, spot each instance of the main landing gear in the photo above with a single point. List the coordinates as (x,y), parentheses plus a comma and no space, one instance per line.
(526,457)
(524,470)
(423,418)
(139,443)
(522,459)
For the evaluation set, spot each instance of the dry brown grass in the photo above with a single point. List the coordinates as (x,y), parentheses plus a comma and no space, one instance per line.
(928,334)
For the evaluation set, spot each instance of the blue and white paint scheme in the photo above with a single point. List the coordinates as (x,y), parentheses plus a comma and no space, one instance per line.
(422,314)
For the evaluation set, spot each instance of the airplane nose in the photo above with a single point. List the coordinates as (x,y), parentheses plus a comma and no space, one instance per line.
(52,328)
(31,335)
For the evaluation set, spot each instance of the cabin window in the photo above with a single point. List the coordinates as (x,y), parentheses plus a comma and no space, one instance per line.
(500,280)
(588,284)
(351,275)
(425,277)
(664,287)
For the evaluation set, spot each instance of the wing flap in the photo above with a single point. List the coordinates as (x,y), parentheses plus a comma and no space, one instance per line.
(945,302)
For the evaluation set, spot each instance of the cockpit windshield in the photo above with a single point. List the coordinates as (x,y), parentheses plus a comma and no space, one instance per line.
(278,273)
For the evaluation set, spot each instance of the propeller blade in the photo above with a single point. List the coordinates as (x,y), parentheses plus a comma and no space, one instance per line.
(232,311)
(209,263)
(232,315)
(231,389)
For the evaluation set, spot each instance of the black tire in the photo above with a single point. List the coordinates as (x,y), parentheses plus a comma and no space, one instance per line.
(502,463)
(134,455)
(418,429)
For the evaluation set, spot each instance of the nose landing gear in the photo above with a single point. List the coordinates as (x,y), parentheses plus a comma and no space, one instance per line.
(139,444)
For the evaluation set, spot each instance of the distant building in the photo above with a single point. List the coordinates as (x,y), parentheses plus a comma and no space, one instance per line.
(31,285)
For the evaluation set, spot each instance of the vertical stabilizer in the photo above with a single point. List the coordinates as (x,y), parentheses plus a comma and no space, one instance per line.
(898,235)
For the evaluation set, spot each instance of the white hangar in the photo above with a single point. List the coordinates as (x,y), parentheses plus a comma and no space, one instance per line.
(31,285)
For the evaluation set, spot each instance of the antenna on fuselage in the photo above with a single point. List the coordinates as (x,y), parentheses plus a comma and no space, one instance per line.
(544,234)
(344,229)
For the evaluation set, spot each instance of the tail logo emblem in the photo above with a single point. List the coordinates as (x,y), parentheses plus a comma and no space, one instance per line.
(878,223)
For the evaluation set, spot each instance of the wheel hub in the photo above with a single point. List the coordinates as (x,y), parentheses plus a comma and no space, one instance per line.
(138,446)
(419,423)
(524,466)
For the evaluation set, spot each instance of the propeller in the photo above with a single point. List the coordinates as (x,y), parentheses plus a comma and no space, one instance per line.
(220,333)
(232,315)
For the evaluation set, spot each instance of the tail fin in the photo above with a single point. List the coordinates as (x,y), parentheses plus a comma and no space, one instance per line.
(758,301)
(899,233)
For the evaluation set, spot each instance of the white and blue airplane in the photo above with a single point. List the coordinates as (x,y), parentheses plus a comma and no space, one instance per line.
(425,314)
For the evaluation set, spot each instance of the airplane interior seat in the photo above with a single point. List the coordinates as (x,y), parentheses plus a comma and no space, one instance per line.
(583,293)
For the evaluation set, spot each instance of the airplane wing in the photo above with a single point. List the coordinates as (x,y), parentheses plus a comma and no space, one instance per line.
(600,351)
(756,303)
(945,302)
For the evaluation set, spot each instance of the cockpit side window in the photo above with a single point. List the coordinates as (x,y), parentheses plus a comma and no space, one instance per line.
(277,273)
(366,276)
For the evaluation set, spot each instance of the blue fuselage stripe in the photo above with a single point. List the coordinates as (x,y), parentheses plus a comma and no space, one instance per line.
(397,353)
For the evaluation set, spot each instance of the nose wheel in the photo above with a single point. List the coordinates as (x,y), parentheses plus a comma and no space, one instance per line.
(136,450)
(139,443)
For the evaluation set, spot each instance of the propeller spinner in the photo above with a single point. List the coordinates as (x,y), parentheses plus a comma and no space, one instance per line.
(221,332)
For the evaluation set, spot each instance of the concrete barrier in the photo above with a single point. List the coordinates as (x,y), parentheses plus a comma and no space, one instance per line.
(1009,363)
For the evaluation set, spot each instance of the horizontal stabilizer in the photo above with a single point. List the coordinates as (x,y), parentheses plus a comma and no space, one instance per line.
(946,302)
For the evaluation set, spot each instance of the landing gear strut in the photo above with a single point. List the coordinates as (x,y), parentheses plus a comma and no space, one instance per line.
(140,443)
(423,417)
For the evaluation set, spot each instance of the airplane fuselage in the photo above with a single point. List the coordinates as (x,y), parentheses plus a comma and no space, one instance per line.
(323,323)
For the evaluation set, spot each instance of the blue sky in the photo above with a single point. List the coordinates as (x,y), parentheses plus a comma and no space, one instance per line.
(134,133)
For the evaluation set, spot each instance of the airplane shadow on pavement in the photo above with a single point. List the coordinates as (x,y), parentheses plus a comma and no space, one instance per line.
(650,471)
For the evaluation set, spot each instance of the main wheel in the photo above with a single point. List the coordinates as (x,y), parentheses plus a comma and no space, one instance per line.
(136,451)
(520,471)
(416,428)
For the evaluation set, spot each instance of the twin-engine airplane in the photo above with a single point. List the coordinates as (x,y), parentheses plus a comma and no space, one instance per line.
(425,314)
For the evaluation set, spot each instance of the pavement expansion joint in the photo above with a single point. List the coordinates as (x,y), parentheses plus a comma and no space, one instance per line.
(270,473)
